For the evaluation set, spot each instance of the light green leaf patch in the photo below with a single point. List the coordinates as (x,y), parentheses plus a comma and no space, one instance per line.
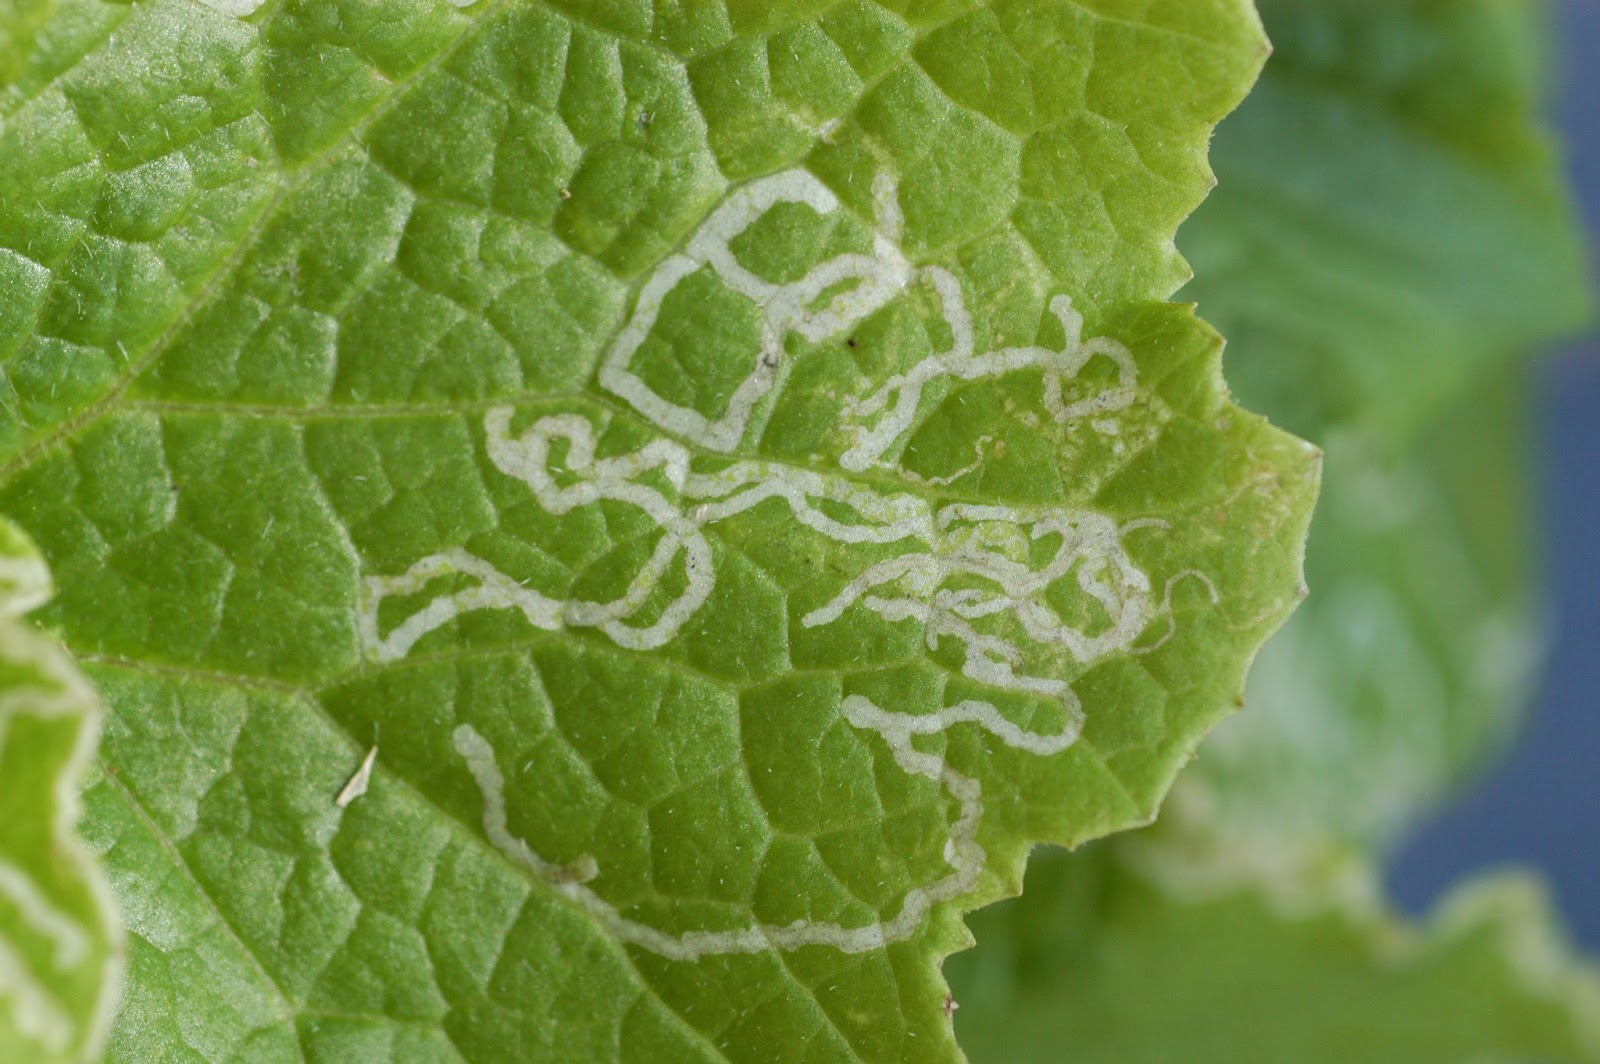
(60,944)
(1122,952)
(738,469)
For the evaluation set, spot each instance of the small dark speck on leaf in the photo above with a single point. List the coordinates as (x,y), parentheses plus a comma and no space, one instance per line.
(853,342)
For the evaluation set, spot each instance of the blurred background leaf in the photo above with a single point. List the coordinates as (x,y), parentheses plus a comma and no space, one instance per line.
(1102,962)
(1389,219)
(1408,665)
(1390,237)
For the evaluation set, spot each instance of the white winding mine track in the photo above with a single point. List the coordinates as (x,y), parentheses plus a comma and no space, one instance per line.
(994,547)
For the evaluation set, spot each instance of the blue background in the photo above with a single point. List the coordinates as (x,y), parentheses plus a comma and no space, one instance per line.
(1541,806)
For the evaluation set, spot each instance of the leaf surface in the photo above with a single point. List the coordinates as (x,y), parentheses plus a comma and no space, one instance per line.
(605,529)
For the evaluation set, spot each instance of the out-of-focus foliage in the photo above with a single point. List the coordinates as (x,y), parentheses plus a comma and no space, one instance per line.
(1119,954)
(1390,236)
(1406,667)
(1389,221)
(61,952)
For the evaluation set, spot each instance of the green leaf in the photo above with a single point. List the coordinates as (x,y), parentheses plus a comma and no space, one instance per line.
(60,945)
(605,529)
(1391,222)
(1115,954)
(1407,666)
